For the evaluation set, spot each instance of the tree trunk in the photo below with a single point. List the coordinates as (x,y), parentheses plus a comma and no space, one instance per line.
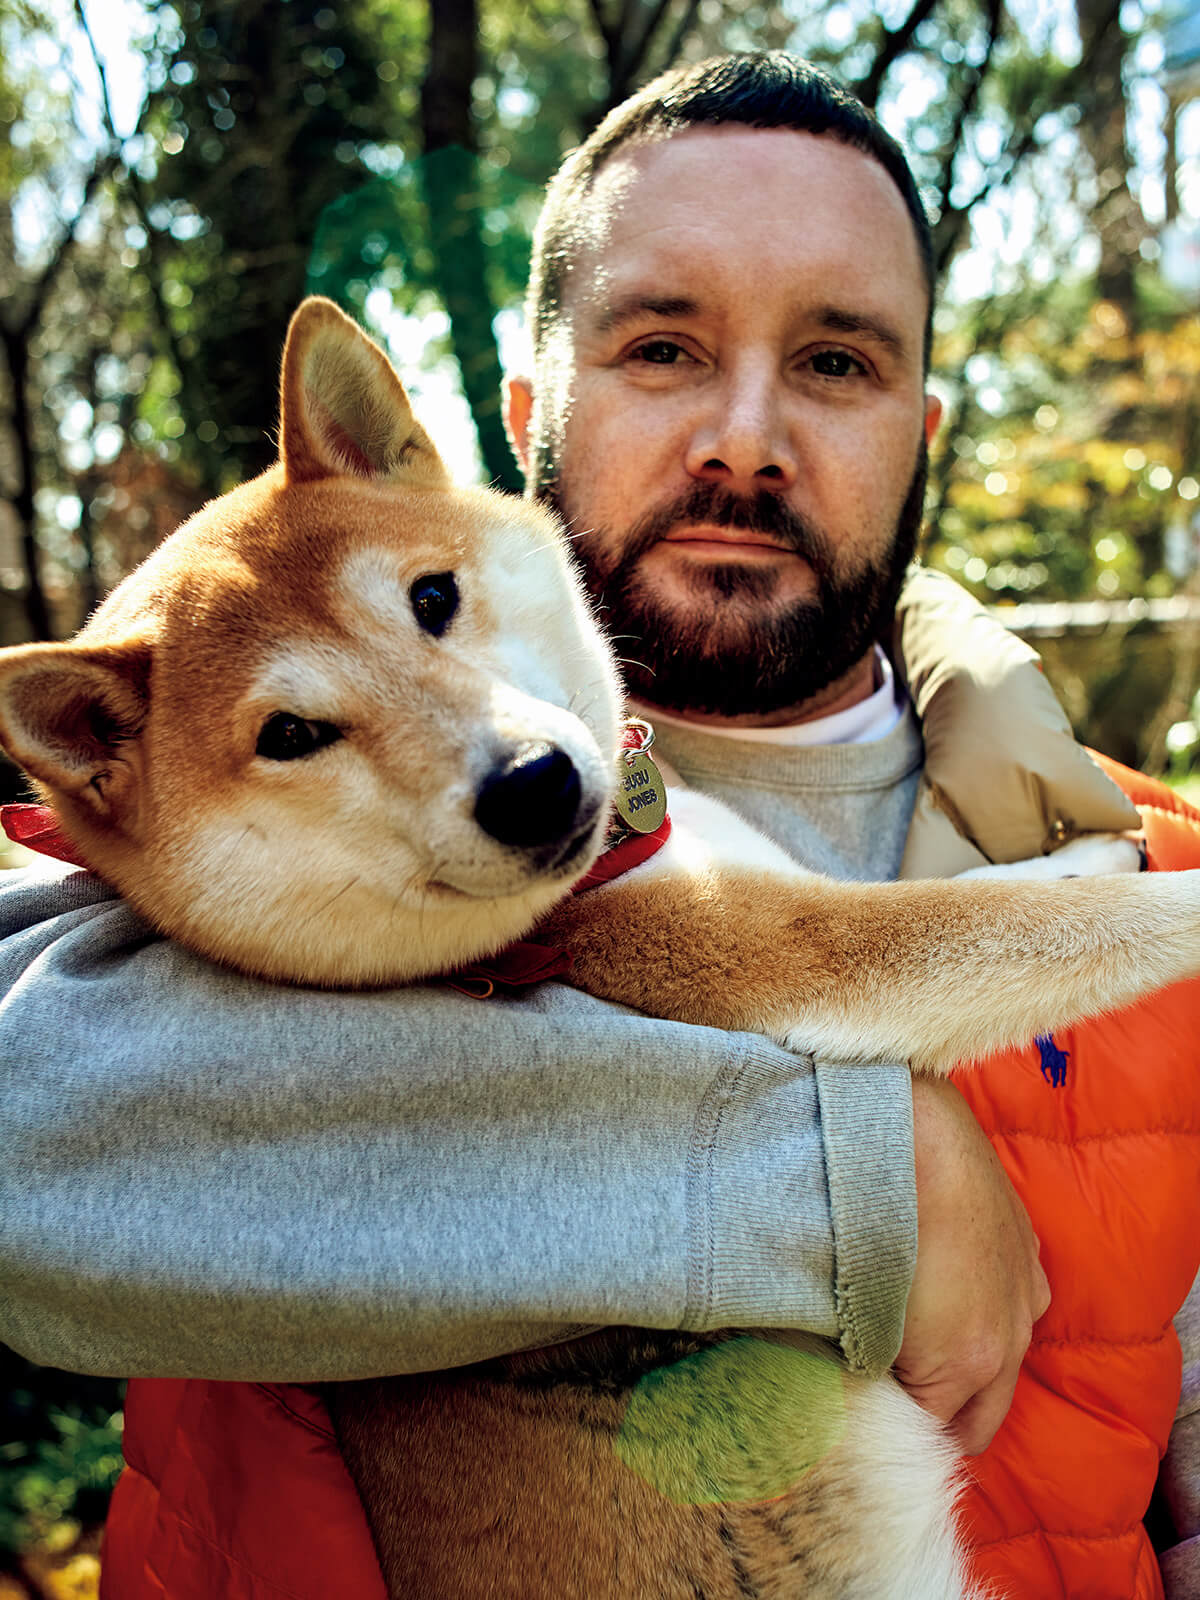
(16,349)
(1117,217)
(1171,157)
(450,179)
(892,45)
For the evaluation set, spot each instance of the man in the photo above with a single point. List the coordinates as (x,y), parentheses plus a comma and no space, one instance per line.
(207,1176)
(731,304)
(733,423)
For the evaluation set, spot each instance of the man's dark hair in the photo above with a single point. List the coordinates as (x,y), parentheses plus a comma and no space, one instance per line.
(767,89)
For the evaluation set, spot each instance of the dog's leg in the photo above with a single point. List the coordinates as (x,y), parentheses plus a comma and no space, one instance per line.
(933,973)
(1095,855)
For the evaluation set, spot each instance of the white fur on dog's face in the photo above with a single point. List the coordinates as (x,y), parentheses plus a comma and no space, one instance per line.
(362,861)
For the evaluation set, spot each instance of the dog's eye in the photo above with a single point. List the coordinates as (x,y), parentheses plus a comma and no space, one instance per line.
(284,737)
(434,601)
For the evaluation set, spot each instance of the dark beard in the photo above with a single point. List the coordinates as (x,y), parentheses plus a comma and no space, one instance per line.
(716,661)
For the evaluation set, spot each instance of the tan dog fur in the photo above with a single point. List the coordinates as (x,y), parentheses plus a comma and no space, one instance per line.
(363,863)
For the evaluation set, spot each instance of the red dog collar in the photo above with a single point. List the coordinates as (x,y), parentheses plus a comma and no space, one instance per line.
(36,827)
(521,964)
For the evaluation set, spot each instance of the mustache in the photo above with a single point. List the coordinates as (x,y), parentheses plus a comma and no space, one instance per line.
(711,503)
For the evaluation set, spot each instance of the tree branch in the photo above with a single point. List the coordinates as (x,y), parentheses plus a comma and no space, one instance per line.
(895,42)
(606,30)
(635,56)
(102,168)
(948,232)
(682,29)
(947,242)
(101,73)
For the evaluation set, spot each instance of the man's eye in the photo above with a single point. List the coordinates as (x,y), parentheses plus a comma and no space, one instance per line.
(659,352)
(835,364)
(284,737)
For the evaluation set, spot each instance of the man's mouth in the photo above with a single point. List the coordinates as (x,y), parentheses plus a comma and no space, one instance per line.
(705,539)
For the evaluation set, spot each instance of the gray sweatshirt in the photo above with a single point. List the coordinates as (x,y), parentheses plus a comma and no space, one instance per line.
(208,1175)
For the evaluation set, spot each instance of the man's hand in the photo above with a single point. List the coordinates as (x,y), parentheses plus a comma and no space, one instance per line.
(978,1287)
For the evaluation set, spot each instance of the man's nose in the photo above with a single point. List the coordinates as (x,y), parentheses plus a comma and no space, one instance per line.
(743,438)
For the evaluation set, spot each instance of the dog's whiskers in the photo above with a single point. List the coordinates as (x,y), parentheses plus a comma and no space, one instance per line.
(337,895)
(538,549)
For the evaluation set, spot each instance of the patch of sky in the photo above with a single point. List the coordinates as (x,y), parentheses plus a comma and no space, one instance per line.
(839,25)
(384,160)
(514,103)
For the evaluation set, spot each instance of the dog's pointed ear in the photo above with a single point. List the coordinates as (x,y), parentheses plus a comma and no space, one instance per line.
(70,714)
(343,411)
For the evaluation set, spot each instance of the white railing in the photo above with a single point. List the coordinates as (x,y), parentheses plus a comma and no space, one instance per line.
(1067,616)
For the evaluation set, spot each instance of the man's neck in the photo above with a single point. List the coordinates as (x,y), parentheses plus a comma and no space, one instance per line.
(854,686)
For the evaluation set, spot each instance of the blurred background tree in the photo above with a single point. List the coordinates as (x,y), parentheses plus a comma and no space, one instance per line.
(174,176)
(164,226)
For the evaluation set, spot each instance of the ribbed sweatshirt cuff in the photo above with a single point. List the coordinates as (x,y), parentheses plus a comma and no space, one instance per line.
(866,1117)
(801,1201)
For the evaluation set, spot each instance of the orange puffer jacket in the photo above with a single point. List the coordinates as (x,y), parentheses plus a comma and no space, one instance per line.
(237,1491)
(234,1491)
(1099,1129)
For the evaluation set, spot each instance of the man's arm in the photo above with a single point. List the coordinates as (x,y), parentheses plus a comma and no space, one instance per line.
(208,1175)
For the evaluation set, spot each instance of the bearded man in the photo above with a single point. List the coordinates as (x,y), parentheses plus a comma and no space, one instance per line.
(731,301)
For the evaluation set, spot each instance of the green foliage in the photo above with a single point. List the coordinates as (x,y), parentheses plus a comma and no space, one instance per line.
(264,116)
(1067,449)
(62,1455)
(1183,751)
(1188,787)
(35,104)
(66,1480)
(378,236)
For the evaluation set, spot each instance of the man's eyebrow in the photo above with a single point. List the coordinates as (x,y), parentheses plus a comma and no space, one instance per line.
(632,307)
(863,324)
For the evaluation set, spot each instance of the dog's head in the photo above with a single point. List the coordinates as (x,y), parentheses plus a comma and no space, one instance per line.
(349,724)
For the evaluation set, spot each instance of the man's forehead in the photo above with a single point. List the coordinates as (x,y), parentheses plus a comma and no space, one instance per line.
(690,158)
(700,194)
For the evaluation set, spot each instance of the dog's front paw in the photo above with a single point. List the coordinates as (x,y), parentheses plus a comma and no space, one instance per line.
(1095,856)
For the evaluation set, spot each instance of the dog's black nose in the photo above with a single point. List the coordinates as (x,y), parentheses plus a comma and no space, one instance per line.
(531,798)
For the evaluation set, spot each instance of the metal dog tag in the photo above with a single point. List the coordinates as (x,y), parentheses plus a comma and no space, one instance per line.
(641,792)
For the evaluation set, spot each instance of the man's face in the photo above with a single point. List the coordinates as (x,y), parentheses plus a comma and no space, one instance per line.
(734,417)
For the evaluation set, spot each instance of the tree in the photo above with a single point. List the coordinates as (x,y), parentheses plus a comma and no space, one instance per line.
(261,116)
(453,199)
(1116,212)
(395,150)
(34,155)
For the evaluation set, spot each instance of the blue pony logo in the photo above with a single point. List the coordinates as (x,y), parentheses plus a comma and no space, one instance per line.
(1054,1060)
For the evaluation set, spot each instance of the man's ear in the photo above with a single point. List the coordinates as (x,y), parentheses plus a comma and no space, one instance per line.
(933,416)
(518,408)
(71,716)
(343,411)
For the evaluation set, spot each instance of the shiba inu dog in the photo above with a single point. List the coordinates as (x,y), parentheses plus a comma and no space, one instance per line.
(351,726)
